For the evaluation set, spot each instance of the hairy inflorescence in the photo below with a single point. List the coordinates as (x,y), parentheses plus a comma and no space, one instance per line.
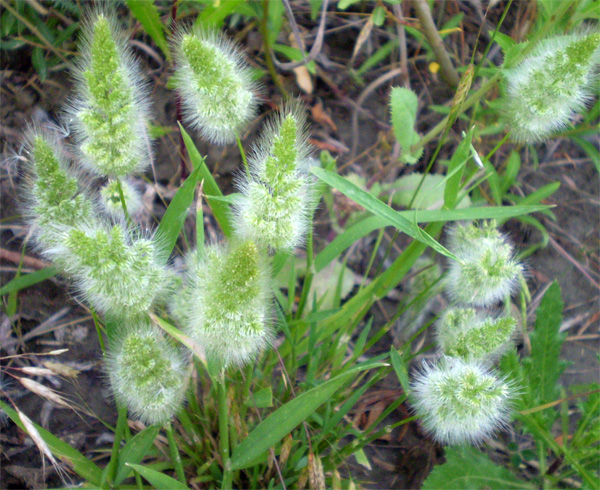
(551,84)
(147,373)
(226,304)
(460,401)
(277,197)
(217,92)
(109,114)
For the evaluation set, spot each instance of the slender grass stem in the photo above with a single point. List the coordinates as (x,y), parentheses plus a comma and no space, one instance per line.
(224,433)
(174,452)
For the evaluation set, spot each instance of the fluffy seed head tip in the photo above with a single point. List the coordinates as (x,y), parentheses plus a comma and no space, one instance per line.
(216,87)
(554,82)
(277,196)
(147,373)
(461,401)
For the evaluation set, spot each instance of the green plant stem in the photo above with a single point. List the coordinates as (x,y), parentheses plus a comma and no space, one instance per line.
(174,452)
(123,203)
(224,432)
(243,153)
(447,70)
(264,30)
(119,435)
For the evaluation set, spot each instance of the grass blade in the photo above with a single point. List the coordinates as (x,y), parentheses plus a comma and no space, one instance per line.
(157,479)
(145,12)
(23,282)
(219,207)
(77,461)
(135,450)
(286,418)
(172,222)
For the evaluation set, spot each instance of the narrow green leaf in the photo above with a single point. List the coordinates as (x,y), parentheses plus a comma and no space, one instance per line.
(172,222)
(134,451)
(28,280)
(468,468)
(219,208)
(544,366)
(77,461)
(158,480)
(38,61)
(215,13)
(458,160)
(286,418)
(399,365)
(372,223)
(146,13)
(374,205)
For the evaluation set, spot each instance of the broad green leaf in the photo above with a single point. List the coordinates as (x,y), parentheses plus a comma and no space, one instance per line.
(134,451)
(286,418)
(219,209)
(544,366)
(23,282)
(146,13)
(403,104)
(158,480)
(468,468)
(172,222)
(458,160)
(76,461)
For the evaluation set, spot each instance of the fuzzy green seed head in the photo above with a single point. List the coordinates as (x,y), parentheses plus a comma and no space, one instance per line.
(277,195)
(463,333)
(227,302)
(118,275)
(147,374)
(216,88)
(54,201)
(552,84)
(109,116)
(111,198)
(461,401)
(487,272)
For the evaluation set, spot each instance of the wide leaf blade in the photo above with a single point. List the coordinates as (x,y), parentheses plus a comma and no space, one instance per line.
(77,461)
(158,480)
(135,450)
(468,468)
(172,222)
(281,422)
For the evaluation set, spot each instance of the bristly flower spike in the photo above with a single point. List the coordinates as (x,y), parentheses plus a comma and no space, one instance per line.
(147,373)
(487,271)
(277,196)
(120,275)
(551,84)
(53,200)
(110,112)
(461,401)
(464,333)
(217,92)
(227,301)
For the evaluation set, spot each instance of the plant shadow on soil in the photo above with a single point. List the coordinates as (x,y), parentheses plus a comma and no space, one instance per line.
(400,460)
